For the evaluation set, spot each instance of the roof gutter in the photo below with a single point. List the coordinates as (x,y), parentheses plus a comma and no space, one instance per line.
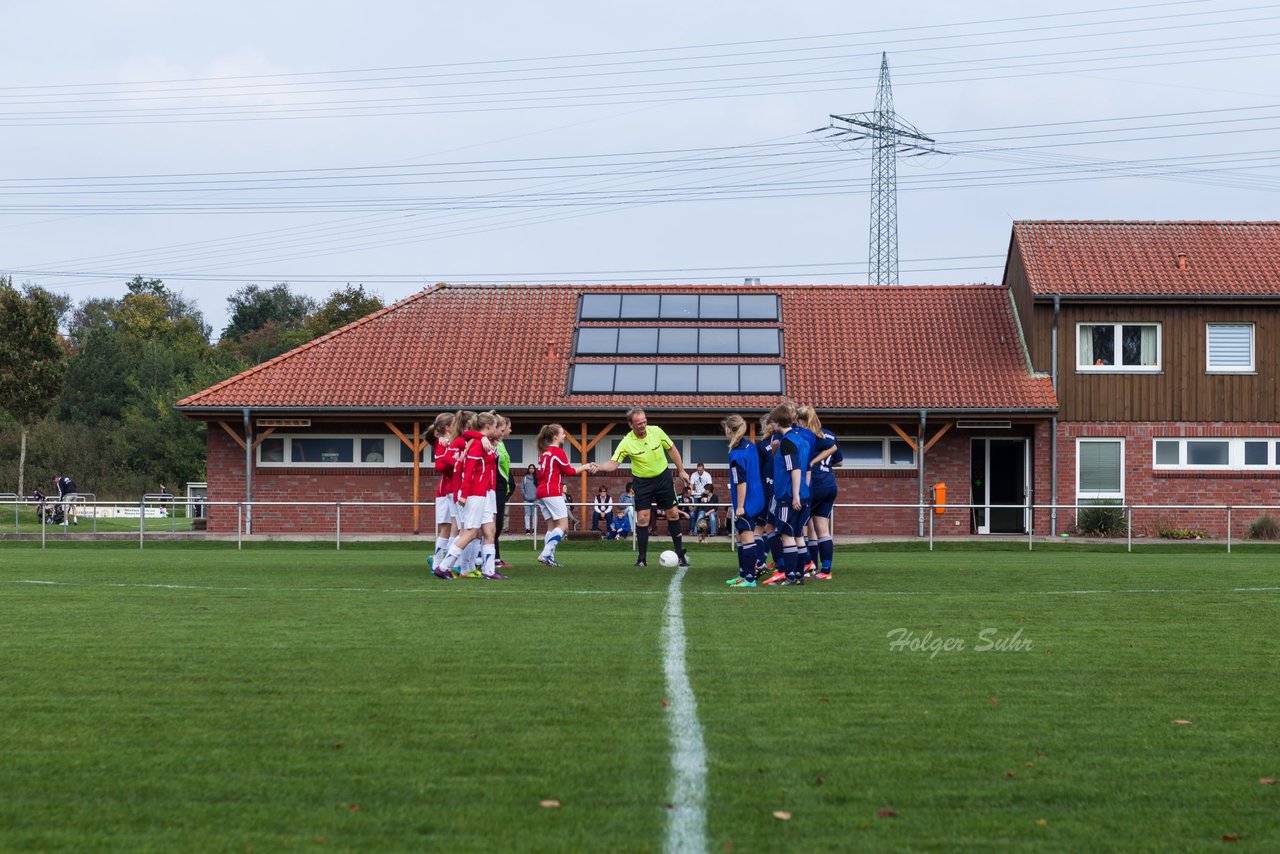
(248,473)
(920,471)
(1165,298)
(1053,426)
(614,408)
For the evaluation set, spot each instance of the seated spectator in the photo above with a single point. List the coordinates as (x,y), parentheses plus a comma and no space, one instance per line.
(574,522)
(704,520)
(627,501)
(700,480)
(686,507)
(601,510)
(619,524)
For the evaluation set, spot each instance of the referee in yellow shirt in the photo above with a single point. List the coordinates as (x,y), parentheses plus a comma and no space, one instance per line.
(648,448)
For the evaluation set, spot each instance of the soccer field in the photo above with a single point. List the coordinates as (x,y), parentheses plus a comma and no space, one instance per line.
(190,697)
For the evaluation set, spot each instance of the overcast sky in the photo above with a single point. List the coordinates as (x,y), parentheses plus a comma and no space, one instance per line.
(401,144)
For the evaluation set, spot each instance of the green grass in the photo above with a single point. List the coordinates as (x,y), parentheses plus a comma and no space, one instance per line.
(27,522)
(193,697)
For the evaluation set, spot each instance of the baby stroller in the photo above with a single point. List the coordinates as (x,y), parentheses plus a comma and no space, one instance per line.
(49,511)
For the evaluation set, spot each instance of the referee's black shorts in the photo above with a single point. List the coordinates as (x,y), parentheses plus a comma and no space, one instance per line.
(655,490)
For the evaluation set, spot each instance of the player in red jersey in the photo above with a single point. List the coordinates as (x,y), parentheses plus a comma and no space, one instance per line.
(553,465)
(476,495)
(439,434)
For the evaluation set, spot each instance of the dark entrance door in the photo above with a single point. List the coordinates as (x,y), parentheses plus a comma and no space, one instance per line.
(999,476)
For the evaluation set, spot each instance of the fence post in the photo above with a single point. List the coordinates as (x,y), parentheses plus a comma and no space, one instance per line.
(142,520)
(42,530)
(1129,526)
(239,525)
(1228,529)
(1031,531)
(337,527)
(930,528)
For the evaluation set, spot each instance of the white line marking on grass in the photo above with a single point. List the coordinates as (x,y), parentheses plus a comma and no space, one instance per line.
(687,820)
(521,590)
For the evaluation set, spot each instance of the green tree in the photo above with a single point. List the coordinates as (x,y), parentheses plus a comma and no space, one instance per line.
(33,363)
(98,372)
(342,307)
(265,322)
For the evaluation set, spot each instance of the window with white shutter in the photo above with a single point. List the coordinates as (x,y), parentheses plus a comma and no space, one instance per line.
(1229,347)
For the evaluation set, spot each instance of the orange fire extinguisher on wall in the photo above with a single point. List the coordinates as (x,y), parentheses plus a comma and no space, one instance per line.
(939,498)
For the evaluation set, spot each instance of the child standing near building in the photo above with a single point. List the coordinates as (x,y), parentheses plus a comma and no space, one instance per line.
(746,496)
(553,465)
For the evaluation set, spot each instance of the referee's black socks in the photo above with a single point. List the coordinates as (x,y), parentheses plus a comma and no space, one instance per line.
(673,527)
(642,542)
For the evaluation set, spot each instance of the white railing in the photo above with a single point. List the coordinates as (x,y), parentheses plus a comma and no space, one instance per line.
(1213,514)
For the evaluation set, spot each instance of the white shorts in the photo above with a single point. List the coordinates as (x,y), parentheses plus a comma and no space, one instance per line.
(476,513)
(491,504)
(444,510)
(553,508)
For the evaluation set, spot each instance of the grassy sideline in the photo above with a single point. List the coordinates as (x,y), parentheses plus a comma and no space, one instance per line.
(192,697)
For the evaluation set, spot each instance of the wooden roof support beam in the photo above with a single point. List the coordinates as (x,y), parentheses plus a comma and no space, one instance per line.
(234,435)
(265,434)
(936,436)
(908,439)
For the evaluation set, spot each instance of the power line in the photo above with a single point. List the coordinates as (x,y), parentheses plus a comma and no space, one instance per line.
(631,52)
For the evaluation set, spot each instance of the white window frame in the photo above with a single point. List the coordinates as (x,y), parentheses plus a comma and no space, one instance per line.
(1095,495)
(885,462)
(1158,367)
(391,443)
(1210,368)
(1235,454)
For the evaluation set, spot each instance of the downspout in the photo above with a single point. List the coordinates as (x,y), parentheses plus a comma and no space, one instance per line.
(1053,424)
(248,475)
(920,471)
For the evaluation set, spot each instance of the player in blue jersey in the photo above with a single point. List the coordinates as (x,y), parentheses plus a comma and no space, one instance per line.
(822,489)
(746,496)
(790,492)
(768,546)
(801,433)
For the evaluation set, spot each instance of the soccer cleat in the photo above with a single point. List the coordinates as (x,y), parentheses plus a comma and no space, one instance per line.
(797,581)
(502,564)
(442,574)
(494,576)
(641,563)
(475,573)
(810,566)
(824,575)
(684,561)
(548,561)
(777,577)
(747,582)
(735,581)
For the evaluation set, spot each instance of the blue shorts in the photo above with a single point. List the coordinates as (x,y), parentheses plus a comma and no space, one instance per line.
(742,524)
(822,504)
(791,521)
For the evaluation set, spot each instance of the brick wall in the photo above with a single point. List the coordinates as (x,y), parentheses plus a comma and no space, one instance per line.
(1144,485)
(947,461)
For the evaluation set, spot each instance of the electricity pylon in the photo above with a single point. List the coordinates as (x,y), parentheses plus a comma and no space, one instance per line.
(888,134)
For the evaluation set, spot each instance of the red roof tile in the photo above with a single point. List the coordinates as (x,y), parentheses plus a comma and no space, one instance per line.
(1141,258)
(846,348)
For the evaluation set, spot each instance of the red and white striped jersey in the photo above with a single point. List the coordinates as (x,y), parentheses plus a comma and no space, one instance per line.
(552,466)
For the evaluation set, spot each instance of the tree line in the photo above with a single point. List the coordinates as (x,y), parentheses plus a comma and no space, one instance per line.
(87,389)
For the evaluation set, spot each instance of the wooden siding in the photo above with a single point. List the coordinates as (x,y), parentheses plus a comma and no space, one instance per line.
(1183,390)
(1015,279)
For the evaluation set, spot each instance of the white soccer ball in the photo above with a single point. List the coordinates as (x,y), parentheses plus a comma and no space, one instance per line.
(668,558)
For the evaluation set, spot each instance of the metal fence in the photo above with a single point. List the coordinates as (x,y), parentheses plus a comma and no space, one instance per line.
(1166,520)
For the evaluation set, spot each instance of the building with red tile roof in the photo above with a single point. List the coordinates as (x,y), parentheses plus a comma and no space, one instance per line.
(891,369)
(1162,342)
